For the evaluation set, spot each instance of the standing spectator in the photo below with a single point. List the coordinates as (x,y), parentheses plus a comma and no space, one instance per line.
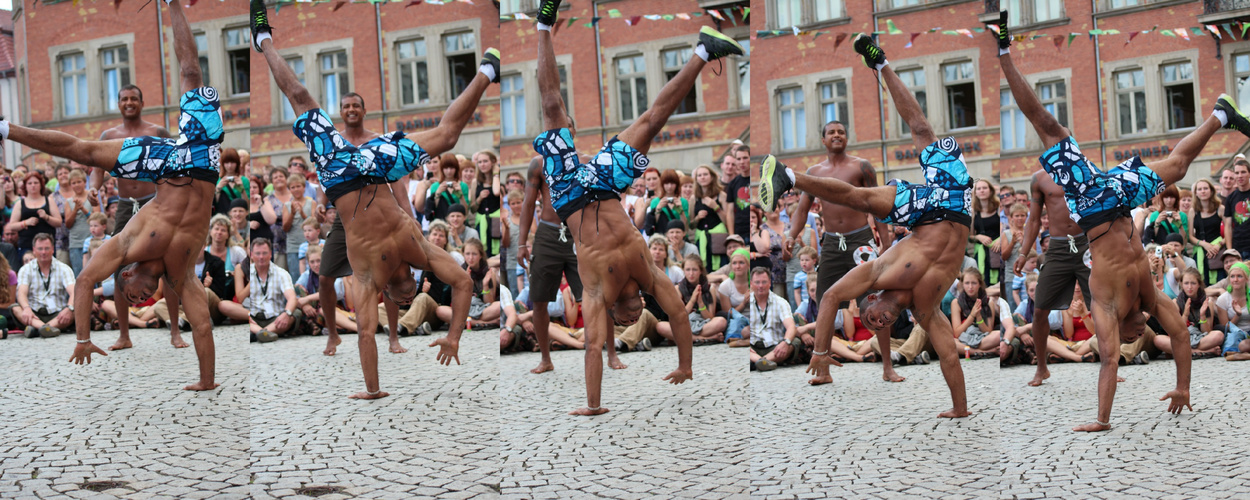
(712,216)
(766,242)
(34,214)
(419,189)
(651,180)
(238,220)
(1012,239)
(487,197)
(1205,230)
(448,190)
(261,215)
(8,190)
(278,200)
(298,166)
(807,261)
(219,243)
(78,212)
(667,205)
(739,190)
(513,277)
(1237,210)
(1006,199)
(985,231)
(61,191)
(1228,180)
(232,185)
(687,195)
(312,237)
(45,290)
(294,212)
(97,225)
(1165,219)
(8,248)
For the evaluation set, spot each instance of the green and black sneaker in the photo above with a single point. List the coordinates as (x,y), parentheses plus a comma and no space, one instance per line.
(1236,120)
(260,22)
(547,12)
(1004,35)
(491,58)
(872,54)
(718,45)
(773,182)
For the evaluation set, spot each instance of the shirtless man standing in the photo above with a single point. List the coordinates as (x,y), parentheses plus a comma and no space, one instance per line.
(167,235)
(845,230)
(613,260)
(552,257)
(134,194)
(334,262)
(382,242)
(915,272)
(1064,265)
(1100,203)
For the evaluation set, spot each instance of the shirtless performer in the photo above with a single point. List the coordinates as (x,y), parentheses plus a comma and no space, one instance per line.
(167,235)
(134,194)
(612,258)
(1064,267)
(382,242)
(334,262)
(916,271)
(845,231)
(1099,202)
(553,257)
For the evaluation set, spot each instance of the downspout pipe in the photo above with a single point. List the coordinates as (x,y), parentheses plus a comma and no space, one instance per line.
(160,32)
(1102,125)
(885,160)
(377,15)
(603,117)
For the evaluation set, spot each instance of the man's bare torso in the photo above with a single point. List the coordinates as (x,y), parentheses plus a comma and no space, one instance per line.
(610,252)
(854,171)
(926,262)
(128,188)
(1056,206)
(1120,271)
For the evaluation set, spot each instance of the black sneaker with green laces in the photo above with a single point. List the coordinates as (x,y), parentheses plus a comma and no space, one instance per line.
(718,45)
(547,12)
(260,22)
(872,54)
(773,182)
(1236,120)
(491,58)
(1004,35)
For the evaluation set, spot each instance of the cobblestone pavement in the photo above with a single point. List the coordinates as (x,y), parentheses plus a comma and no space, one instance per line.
(658,441)
(1148,453)
(123,418)
(435,436)
(862,437)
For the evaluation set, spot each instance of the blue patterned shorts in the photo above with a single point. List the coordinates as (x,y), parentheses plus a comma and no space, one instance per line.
(946,194)
(573,184)
(343,168)
(196,153)
(1095,197)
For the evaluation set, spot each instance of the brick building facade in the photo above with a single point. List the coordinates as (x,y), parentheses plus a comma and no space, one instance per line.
(71,59)
(611,71)
(408,63)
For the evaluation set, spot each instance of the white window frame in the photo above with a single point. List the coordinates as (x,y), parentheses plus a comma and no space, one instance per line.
(108,87)
(903,129)
(834,100)
(245,45)
(93,70)
(459,52)
(509,98)
(1132,92)
(79,85)
(947,98)
(415,64)
(633,78)
(1191,81)
(683,56)
(805,12)
(330,97)
(288,112)
(797,118)
(436,60)
(810,84)
(1012,124)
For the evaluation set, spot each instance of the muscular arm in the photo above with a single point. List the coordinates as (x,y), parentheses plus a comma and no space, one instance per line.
(1033,226)
(799,220)
(533,183)
(399,189)
(1228,231)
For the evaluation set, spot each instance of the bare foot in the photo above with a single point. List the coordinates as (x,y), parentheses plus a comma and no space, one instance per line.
(821,380)
(615,363)
(1091,427)
(1121,379)
(1040,376)
(543,366)
(176,341)
(396,348)
(891,376)
(587,412)
(122,343)
(953,413)
(366,395)
(332,345)
(201,386)
(1237,356)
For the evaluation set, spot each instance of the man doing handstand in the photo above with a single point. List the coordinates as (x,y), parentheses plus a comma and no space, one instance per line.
(612,258)
(915,272)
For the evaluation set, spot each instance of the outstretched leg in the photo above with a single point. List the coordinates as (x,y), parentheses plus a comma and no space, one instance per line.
(443,137)
(876,201)
(555,116)
(185,49)
(1174,167)
(288,83)
(99,154)
(1047,127)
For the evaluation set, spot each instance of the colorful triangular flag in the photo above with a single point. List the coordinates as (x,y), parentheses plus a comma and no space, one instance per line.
(891,28)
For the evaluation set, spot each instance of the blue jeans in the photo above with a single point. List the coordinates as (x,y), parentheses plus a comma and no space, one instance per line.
(737,321)
(1235,336)
(75,260)
(292,263)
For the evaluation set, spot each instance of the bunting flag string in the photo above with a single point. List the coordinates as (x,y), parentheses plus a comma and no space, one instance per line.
(1185,33)
(722,14)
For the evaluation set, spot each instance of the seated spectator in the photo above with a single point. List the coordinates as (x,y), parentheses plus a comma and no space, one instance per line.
(8,294)
(733,293)
(97,223)
(483,307)
(238,221)
(306,288)
(8,247)
(1072,343)
(211,272)
(1175,263)
(679,248)
(1031,264)
(45,290)
(732,243)
(807,262)
(273,304)
(774,337)
(1200,316)
(660,257)
(701,302)
(973,314)
(1233,309)
(456,229)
